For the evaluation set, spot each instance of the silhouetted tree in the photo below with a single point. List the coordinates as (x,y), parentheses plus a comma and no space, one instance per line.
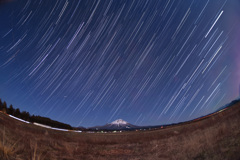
(25,115)
(10,110)
(4,107)
(1,105)
(17,113)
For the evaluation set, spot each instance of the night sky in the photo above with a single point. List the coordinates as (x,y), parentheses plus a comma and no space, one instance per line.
(149,62)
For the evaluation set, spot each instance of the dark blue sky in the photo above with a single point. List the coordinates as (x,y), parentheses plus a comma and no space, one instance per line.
(147,62)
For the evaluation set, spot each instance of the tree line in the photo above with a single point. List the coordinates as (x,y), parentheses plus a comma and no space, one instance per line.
(31,118)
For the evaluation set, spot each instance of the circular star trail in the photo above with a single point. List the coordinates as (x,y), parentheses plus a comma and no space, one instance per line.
(148,62)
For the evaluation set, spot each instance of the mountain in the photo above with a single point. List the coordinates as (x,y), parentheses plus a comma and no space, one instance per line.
(81,128)
(228,105)
(118,124)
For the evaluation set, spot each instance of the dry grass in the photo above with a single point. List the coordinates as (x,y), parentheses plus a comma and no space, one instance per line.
(215,138)
(37,154)
(7,150)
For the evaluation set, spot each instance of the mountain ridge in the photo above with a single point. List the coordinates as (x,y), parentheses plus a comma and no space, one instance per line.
(118,124)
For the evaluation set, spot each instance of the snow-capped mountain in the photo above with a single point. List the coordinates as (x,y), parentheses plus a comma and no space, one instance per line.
(118,124)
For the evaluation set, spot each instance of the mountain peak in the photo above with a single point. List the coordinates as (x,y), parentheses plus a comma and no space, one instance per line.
(119,121)
(118,124)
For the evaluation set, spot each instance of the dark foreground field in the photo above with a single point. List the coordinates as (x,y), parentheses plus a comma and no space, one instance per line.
(217,137)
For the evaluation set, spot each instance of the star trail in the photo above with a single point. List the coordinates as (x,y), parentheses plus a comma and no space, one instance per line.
(149,62)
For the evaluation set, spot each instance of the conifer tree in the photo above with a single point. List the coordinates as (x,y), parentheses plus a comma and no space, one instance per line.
(1,105)
(4,107)
(10,110)
(17,113)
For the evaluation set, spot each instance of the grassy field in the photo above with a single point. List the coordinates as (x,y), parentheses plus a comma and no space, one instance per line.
(213,138)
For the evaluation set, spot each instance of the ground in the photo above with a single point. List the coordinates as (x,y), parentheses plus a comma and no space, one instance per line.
(214,138)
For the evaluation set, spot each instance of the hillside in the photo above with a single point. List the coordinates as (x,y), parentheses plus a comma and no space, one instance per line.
(215,137)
